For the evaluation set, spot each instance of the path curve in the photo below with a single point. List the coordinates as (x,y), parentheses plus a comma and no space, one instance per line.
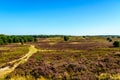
(15,63)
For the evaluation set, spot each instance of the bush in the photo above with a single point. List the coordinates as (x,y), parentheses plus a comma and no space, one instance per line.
(109,39)
(66,38)
(116,44)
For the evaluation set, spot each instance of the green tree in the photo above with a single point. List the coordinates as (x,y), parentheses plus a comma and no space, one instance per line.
(22,41)
(16,39)
(109,39)
(25,39)
(35,39)
(116,44)
(10,40)
(66,38)
(30,39)
(4,39)
(1,42)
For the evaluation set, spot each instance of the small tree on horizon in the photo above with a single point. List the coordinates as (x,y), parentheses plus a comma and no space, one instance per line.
(109,39)
(66,38)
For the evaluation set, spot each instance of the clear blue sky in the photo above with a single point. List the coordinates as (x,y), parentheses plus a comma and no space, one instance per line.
(66,17)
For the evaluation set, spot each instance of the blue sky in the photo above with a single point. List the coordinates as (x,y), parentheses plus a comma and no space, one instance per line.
(66,17)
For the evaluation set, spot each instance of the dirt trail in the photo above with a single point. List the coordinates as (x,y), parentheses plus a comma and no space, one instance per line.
(8,69)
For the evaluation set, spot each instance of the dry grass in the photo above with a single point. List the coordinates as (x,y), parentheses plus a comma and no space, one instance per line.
(7,69)
(107,76)
(9,53)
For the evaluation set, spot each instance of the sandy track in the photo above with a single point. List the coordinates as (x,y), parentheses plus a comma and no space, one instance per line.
(8,69)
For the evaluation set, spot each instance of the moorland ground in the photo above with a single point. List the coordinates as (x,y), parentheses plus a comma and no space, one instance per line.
(79,58)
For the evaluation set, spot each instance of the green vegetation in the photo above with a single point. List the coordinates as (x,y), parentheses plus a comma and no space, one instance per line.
(66,38)
(4,39)
(109,39)
(38,58)
(116,44)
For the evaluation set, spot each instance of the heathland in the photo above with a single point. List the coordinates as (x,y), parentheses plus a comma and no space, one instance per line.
(61,58)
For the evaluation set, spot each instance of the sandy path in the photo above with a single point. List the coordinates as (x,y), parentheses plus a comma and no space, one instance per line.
(8,69)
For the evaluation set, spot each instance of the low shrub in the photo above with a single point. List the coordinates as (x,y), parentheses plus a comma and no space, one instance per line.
(66,38)
(116,43)
(109,39)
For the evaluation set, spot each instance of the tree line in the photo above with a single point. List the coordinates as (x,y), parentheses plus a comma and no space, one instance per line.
(5,39)
(47,36)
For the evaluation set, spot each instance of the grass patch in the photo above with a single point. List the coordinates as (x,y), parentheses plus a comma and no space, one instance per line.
(109,49)
(38,58)
(107,76)
(11,55)
(4,48)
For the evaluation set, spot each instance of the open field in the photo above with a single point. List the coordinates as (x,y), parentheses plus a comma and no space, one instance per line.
(15,63)
(90,58)
(11,52)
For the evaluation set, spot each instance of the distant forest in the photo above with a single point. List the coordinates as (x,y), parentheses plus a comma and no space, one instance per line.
(6,39)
